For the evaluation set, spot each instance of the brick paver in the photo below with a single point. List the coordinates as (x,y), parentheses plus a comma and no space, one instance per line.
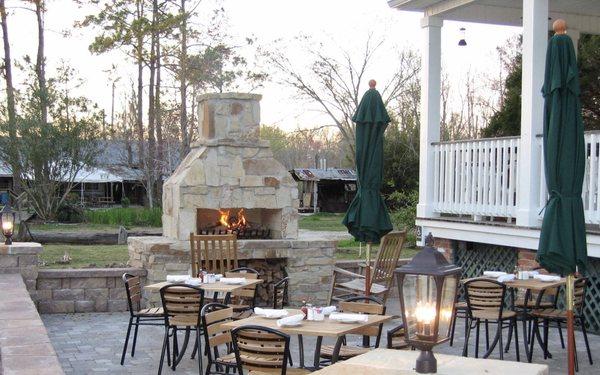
(91,344)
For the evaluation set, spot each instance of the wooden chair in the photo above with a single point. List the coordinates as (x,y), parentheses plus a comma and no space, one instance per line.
(382,274)
(262,350)
(396,338)
(485,303)
(559,316)
(214,315)
(213,253)
(280,293)
(363,305)
(182,304)
(243,300)
(143,317)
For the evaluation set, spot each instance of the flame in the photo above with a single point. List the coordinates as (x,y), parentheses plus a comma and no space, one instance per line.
(237,221)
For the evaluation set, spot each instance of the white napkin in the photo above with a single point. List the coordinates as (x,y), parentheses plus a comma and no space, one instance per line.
(290,320)
(193,281)
(177,278)
(506,277)
(493,273)
(329,309)
(533,273)
(547,278)
(271,313)
(233,280)
(346,316)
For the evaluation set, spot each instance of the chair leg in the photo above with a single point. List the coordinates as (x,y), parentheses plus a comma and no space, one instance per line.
(477,339)
(162,352)
(585,338)
(195,348)
(514,325)
(175,350)
(487,336)
(452,330)
(500,345)
(562,340)
(467,335)
(535,323)
(135,332)
(199,344)
(545,341)
(126,340)
(510,334)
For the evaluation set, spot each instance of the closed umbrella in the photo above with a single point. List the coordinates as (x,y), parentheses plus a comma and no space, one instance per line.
(562,246)
(367,218)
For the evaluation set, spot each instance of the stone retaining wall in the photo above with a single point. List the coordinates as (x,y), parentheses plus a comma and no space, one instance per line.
(83,290)
(21,257)
(25,345)
(309,264)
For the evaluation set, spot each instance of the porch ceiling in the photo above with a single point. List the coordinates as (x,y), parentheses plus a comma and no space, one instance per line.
(583,15)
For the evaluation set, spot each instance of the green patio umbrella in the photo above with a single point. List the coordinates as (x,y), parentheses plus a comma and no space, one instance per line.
(562,247)
(367,218)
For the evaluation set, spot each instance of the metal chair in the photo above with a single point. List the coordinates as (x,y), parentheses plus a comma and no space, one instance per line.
(213,253)
(363,305)
(243,300)
(396,338)
(485,303)
(280,293)
(214,315)
(382,274)
(182,304)
(137,315)
(559,316)
(263,350)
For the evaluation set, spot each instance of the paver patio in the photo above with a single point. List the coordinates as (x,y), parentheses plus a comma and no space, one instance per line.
(91,343)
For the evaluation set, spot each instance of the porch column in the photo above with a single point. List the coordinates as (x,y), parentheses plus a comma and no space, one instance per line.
(575,35)
(431,56)
(535,40)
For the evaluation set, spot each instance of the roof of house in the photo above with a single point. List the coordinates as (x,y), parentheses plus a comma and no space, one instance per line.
(314,174)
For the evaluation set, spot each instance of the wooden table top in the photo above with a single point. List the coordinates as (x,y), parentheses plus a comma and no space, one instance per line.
(401,362)
(325,328)
(531,284)
(215,287)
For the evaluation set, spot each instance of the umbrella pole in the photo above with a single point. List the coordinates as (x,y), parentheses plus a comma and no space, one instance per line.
(368,271)
(570,328)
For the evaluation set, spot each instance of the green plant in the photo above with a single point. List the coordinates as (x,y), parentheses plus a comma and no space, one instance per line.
(125,202)
(127,217)
(404,212)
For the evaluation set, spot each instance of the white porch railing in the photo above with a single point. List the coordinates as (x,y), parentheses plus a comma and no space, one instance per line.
(479,177)
(476,177)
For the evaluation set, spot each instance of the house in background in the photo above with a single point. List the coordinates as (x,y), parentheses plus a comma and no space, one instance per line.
(325,190)
(482,199)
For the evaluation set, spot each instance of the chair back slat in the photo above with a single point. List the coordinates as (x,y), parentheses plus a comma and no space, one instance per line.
(357,306)
(247,294)
(580,286)
(260,349)
(280,293)
(181,301)
(213,253)
(485,295)
(133,290)
(387,258)
(214,317)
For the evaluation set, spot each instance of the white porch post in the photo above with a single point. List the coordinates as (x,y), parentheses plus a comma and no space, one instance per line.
(535,39)
(575,35)
(430,110)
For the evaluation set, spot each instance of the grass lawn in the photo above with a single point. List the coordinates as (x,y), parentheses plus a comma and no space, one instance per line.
(349,249)
(85,255)
(322,221)
(76,227)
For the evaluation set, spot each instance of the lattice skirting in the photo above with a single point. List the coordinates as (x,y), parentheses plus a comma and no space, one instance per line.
(474,258)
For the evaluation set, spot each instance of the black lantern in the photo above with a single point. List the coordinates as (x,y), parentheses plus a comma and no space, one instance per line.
(8,223)
(463,41)
(427,286)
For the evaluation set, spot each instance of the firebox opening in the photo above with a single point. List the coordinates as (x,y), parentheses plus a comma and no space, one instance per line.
(247,223)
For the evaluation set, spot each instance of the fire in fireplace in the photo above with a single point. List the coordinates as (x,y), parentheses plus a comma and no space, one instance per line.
(231,221)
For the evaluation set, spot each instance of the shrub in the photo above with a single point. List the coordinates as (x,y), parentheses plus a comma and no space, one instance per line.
(404,212)
(125,202)
(127,217)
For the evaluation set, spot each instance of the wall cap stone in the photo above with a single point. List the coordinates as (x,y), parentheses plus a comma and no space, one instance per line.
(89,272)
(21,248)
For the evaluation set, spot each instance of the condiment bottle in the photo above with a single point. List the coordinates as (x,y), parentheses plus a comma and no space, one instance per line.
(304,309)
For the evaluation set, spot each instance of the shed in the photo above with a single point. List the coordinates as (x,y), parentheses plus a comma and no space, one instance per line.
(327,190)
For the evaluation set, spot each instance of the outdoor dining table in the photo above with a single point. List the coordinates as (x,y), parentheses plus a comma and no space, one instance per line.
(401,362)
(216,288)
(320,329)
(529,285)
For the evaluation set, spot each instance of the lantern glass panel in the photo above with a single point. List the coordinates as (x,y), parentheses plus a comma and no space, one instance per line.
(7,223)
(447,306)
(420,300)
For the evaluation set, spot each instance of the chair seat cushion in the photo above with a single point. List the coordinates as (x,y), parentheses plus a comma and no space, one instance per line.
(345,351)
(359,285)
(156,312)
(549,313)
(492,314)
(289,371)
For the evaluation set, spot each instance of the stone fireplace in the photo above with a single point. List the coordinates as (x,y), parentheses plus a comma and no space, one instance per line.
(228,173)
(228,169)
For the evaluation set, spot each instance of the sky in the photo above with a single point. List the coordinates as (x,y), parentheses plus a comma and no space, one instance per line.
(340,24)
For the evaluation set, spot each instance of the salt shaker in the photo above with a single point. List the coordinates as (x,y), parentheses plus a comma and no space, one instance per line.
(311,313)
(319,314)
